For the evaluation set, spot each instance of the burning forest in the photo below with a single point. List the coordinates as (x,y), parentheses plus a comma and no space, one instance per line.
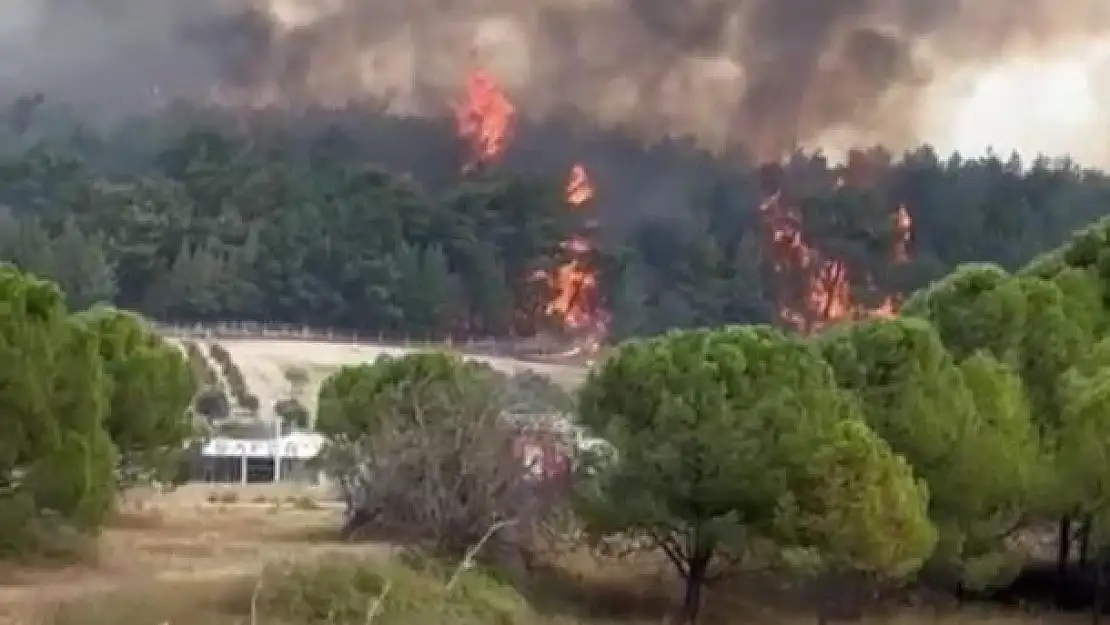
(811,288)
(495,221)
(571,296)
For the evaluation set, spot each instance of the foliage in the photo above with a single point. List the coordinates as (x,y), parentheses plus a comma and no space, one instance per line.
(96,402)
(531,393)
(1086,420)
(212,404)
(56,454)
(966,430)
(297,377)
(292,413)
(236,383)
(353,400)
(978,307)
(250,403)
(727,438)
(151,388)
(199,368)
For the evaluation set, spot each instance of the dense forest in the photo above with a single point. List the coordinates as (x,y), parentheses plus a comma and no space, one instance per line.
(359,220)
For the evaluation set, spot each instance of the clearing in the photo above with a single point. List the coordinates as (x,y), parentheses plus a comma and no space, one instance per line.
(181,545)
(201,556)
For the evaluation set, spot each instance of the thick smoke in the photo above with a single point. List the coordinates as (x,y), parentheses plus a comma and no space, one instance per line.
(772,74)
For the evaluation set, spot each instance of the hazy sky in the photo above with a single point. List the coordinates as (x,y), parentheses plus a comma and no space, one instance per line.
(1024,74)
(1056,104)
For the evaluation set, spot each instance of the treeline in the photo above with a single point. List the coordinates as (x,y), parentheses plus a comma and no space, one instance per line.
(357,220)
(93,402)
(923,449)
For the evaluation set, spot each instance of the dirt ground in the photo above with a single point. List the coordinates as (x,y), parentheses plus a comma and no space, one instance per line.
(193,558)
(182,541)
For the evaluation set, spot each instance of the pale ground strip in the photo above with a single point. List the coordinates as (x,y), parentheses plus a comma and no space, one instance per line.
(264,363)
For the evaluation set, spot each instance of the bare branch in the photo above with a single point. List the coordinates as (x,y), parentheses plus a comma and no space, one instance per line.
(673,550)
(442,468)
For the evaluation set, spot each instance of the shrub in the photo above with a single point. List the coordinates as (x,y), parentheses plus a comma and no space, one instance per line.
(354,591)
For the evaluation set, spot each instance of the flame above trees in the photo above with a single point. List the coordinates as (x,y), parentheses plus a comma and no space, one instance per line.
(484,119)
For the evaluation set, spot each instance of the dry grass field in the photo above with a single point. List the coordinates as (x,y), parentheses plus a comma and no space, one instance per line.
(196,557)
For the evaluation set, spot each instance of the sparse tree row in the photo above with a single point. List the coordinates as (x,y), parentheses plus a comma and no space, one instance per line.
(93,402)
(236,383)
(363,221)
(925,449)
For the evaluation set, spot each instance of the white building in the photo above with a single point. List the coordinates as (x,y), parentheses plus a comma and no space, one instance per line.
(224,459)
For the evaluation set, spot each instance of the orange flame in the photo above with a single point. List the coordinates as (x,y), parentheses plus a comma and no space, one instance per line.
(827,297)
(574,285)
(903,230)
(484,119)
(579,188)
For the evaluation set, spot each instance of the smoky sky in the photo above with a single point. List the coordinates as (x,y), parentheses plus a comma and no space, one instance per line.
(769,73)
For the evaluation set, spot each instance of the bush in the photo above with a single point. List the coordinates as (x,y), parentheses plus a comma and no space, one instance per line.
(530,392)
(423,452)
(250,402)
(292,413)
(297,377)
(212,404)
(236,384)
(202,372)
(357,591)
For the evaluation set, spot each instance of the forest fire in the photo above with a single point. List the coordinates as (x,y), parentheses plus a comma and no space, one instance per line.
(574,283)
(484,120)
(815,290)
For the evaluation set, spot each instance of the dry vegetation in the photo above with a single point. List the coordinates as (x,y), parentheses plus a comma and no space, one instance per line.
(272,558)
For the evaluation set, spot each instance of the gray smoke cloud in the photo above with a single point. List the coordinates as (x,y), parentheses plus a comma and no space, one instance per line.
(770,73)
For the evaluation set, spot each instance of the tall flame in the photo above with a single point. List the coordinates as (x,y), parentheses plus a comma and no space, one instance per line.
(484,120)
(574,283)
(826,296)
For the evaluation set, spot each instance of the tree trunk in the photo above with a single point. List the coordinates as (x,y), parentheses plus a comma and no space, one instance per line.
(1098,591)
(1063,553)
(695,582)
(1085,541)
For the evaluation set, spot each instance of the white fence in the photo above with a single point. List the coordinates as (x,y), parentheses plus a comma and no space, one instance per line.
(293,332)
